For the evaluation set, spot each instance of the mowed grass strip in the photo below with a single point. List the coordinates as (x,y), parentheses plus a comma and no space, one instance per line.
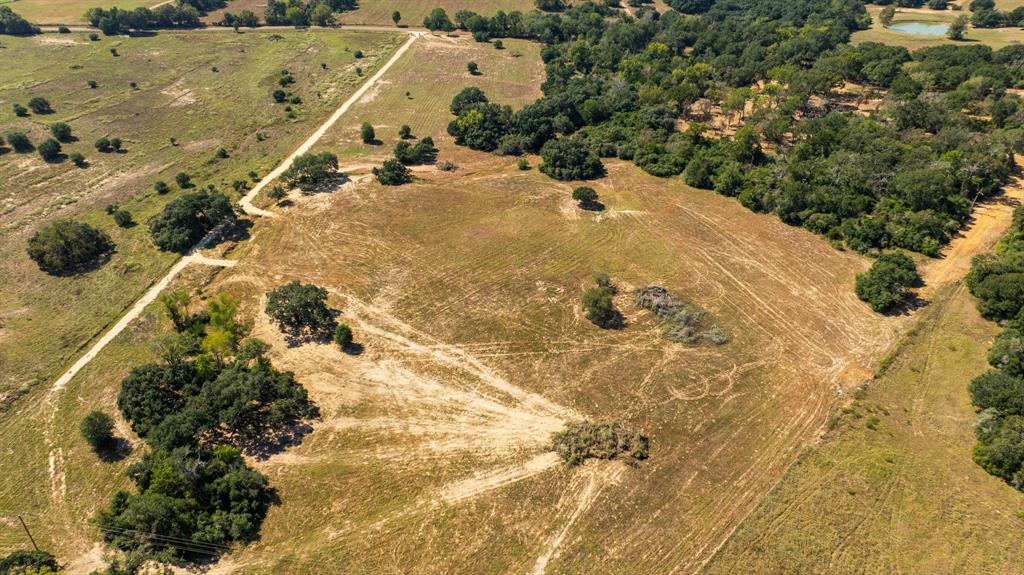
(68,11)
(205,89)
(893,489)
(378,12)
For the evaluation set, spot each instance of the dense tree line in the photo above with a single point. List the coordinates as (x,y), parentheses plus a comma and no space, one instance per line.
(617,86)
(997,280)
(114,21)
(213,394)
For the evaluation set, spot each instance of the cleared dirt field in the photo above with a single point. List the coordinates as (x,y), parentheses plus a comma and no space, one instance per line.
(178,95)
(413,11)
(904,497)
(464,291)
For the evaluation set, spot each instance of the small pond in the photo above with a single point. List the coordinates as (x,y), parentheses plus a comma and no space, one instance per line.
(921,28)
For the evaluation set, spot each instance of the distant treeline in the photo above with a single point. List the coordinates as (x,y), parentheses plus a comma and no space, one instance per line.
(997,280)
(182,14)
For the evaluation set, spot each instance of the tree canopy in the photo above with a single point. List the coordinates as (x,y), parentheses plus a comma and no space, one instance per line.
(187,219)
(884,285)
(67,247)
(301,310)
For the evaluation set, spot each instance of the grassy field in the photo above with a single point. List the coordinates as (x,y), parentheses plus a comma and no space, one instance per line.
(994,37)
(420,88)
(413,11)
(66,11)
(207,90)
(893,488)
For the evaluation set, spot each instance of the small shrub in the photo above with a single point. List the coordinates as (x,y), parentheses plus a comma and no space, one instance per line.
(161,187)
(343,336)
(368,134)
(77,159)
(405,132)
(221,153)
(358,54)
(98,430)
(580,441)
(123,218)
(103,145)
(61,131)
(498,45)
(19,110)
(523,164)
(49,150)
(276,193)
(473,68)
(585,196)
(115,144)
(279,96)
(183,180)
(393,173)
(92,84)
(133,85)
(94,37)
(63,30)
(40,105)
(19,141)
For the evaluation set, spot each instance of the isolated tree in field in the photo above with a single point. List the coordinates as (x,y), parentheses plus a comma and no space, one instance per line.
(183,180)
(438,21)
(301,309)
(40,105)
(367,132)
(473,69)
(586,196)
(185,220)
(77,159)
(598,305)
(123,218)
(19,141)
(310,170)
(957,28)
(396,17)
(886,15)
(103,145)
(343,336)
(569,159)
(97,429)
(61,131)
(393,173)
(405,132)
(19,110)
(49,150)
(884,286)
(65,247)
(161,187)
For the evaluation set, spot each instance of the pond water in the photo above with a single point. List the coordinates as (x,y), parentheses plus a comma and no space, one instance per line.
(921,28)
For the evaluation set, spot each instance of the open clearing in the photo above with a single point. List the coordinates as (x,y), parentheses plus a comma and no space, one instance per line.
(181,96)
(995,37)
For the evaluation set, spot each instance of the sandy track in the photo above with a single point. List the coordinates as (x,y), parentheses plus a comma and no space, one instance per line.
(246,201)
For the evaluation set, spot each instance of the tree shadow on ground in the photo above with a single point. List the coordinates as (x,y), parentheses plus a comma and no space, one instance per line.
(119,449)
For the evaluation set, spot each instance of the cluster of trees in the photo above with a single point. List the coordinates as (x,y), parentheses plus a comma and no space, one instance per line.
(213,393)
(997,280)
(66,247)
(13,24)
(985,15)
(187,219)
(298,13)
(422,152)
(903,178)
(311,170)
(115,21)
(884,286)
